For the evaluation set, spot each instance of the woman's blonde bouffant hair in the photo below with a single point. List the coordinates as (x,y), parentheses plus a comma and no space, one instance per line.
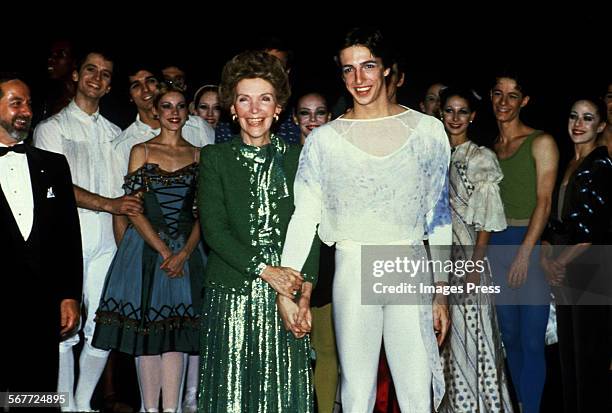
(165,88)
(253,64)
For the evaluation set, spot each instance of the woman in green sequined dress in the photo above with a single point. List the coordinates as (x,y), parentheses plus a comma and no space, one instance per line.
(256,315)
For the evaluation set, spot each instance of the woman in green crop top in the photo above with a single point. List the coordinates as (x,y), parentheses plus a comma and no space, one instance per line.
(528,159)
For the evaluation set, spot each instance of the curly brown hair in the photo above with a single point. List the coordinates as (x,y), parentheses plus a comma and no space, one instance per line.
(254,64)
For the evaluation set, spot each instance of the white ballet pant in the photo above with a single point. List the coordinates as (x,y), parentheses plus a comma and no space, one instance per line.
(359,332)
(98,252)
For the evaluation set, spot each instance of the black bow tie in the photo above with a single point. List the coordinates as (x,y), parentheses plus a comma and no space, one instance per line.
(15,148)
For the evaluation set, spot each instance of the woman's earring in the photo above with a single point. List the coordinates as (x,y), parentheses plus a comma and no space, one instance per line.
(234,117)
(275,117)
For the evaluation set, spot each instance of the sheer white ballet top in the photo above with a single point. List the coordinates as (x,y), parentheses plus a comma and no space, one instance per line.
(372,181)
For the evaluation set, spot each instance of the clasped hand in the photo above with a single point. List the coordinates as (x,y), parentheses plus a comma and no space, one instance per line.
(296,317)
(554,271)
(173,263)
(285,281)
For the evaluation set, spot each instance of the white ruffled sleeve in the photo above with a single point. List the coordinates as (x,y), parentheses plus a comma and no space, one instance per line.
(485,209)
(307,215)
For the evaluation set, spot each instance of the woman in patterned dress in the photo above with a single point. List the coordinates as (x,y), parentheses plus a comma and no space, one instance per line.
(473,359)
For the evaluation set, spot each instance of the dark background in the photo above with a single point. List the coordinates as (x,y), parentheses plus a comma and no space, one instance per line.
(561,53)
(564,51)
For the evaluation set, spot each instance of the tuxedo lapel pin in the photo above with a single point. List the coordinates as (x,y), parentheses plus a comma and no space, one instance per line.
(50,193)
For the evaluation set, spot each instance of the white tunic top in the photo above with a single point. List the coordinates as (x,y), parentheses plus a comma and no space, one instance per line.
(375,181)
(87,143)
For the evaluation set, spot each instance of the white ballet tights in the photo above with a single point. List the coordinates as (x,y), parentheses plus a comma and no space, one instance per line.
(191,391)
(98,252)
(163,374)
(91,365)
(359,332)
(65,382)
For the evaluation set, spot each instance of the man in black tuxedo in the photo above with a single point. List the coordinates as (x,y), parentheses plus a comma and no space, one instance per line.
(41,266)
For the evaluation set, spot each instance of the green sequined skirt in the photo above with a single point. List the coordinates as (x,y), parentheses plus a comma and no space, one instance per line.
(248,362)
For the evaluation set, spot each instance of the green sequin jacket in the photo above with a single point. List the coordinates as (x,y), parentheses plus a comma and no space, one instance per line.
(228,206)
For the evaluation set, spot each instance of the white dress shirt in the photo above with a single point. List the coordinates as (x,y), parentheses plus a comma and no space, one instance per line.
(17,188)
(87,142)
(196,131)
